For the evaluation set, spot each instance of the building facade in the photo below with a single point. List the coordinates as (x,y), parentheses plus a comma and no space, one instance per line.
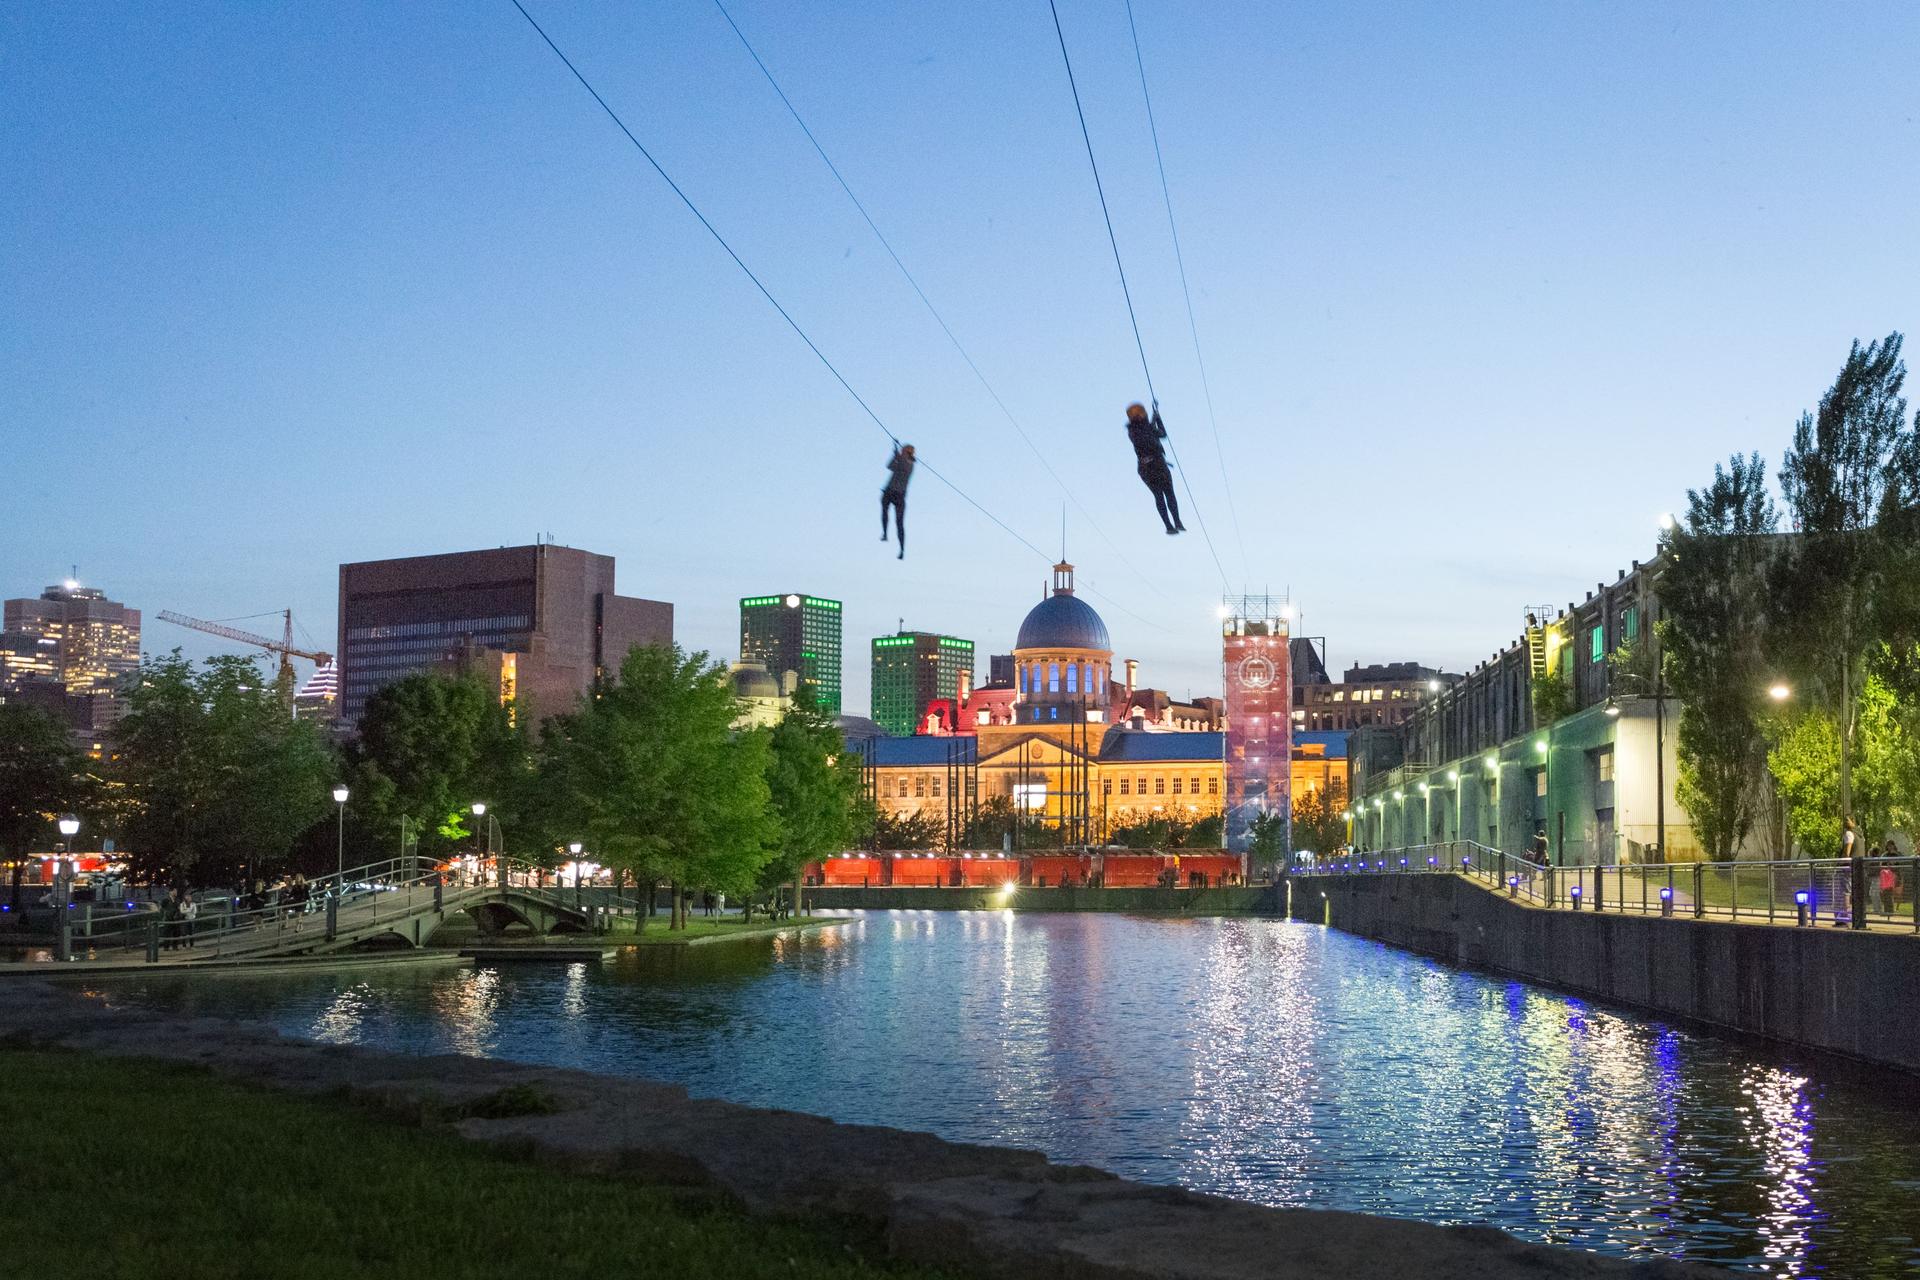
(915,670)
(798,634)
(1380,694)
(542,622)
(1583,775)
(1049,747)
(72,651)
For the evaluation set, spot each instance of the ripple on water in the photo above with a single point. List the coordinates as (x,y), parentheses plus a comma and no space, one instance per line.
(1281,1063)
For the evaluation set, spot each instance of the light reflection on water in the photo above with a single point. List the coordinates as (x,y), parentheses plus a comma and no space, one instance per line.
(1281,1063)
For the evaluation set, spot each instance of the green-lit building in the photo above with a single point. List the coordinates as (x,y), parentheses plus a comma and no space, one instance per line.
(797,633)
(914,669)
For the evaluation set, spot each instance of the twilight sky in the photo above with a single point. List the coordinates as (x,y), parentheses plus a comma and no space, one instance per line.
(1481,288)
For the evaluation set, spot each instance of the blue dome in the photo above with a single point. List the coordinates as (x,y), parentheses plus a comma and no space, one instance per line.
(1063,621)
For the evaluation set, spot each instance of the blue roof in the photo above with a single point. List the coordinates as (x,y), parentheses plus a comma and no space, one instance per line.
(1063,621)
(1334,740)
(923,751)
(1141,746)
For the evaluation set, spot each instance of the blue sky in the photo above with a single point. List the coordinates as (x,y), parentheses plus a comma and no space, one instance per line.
(1481,289)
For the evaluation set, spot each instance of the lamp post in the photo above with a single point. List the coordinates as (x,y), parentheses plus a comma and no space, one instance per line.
(493,829)
(63,883)
(1780,691)
(574,849)
(340,840)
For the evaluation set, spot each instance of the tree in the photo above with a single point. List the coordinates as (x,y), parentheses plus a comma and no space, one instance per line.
(1852,480)
(1317,824)
(650,775)
(42,774)
(217,774)
(813,782)
(1805,761)
(1268,836)
(430,746)
(1712,640)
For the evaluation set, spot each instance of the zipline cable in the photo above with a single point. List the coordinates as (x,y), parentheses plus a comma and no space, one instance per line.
(1125,291)
(925,301)
(1193,325)
(764,291)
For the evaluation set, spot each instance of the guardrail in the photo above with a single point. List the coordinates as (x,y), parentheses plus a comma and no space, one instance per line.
(1805,891)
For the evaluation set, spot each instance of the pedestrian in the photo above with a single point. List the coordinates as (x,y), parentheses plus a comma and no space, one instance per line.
(1885,886)
(298,899)
(1847,837)
(894,496)
(1150,460)
(189,913)
(170,919)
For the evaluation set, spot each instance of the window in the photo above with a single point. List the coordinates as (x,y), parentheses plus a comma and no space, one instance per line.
(1213,786)
(1540,782)
(1125,788)
(1630,623)
(1106,786)
(1603,764)
(1160,786)
(1141,784)
(1599,644)
(1195,784)
(1053,677)
(936,788)
(920,786)
(1055,712)
(1073,677)
(1176,786)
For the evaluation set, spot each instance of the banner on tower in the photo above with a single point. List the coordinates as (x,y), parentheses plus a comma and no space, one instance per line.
(1259,694)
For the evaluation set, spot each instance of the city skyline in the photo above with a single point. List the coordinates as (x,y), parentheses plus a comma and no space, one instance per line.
(1584,241)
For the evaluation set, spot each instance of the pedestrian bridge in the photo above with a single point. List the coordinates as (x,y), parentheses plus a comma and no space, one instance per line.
(391,904)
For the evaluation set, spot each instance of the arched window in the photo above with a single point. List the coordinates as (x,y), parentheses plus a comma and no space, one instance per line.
(1073,677)
(1053,677)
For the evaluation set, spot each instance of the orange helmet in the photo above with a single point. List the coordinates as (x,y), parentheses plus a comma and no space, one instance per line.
(1136,410)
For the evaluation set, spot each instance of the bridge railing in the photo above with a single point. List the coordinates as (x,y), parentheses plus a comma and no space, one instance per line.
(1883,892)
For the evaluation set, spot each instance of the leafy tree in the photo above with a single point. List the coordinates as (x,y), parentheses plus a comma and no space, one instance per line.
(650,774)
(430,745)
(1851,481)
(1713,635)
(1552,696)
(986,829)
(217,774)
(42,774)
(814,785)
(1170,831)
(1268,836)
(920,829)
(1317,824)
(1805,761)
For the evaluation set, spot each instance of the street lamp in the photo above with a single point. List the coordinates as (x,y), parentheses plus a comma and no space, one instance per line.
(574,849)
(340,840)
(493,830)
(63,881)
(1779,691)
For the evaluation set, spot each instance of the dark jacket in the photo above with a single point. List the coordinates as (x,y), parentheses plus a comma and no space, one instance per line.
(901,465)
(1146,435)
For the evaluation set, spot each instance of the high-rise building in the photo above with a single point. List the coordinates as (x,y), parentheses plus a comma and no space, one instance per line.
(799,634)
(319,698)
(1257,662)
(914,669)
(72,646)
(541,621)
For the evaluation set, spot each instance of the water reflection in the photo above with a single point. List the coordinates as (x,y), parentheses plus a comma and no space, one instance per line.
(1282,1063)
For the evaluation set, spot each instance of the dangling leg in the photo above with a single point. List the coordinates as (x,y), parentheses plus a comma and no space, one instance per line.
(1160,504)
(886,500)
(1173,505)
(900,524)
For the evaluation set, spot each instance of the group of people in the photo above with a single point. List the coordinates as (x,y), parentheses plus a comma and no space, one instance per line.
(1145,431)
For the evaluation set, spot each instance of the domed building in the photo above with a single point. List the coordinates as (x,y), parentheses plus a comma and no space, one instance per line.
(1062,659)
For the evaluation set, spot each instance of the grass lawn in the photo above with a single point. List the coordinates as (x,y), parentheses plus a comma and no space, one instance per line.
(699,926)
(118,1168)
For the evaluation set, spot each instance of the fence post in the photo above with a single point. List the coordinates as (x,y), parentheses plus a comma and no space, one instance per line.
(333,915)
(153,942)
(1913,892)
(1599,883)
(1699,889)
(1857,889)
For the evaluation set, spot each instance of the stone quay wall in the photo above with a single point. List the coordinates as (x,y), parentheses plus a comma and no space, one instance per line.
(1835,990)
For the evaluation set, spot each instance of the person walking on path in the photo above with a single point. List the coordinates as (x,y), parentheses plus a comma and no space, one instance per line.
(170,919)
(189,913)
(894,496)
(1150,458)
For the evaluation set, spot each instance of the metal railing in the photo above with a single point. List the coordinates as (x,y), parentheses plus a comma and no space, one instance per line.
(1806,891)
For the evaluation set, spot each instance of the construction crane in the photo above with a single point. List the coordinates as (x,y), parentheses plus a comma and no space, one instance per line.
(283,647)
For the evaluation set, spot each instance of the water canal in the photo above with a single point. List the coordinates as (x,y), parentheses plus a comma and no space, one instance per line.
(1277,1062)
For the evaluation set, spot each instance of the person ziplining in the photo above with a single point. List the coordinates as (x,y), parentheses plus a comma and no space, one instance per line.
(894,496)
(1150,456)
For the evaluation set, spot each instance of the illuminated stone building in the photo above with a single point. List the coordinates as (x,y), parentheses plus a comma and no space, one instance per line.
(71,650)
(1050,747)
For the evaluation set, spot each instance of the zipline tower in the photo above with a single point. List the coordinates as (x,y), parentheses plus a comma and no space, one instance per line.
(1258,679)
